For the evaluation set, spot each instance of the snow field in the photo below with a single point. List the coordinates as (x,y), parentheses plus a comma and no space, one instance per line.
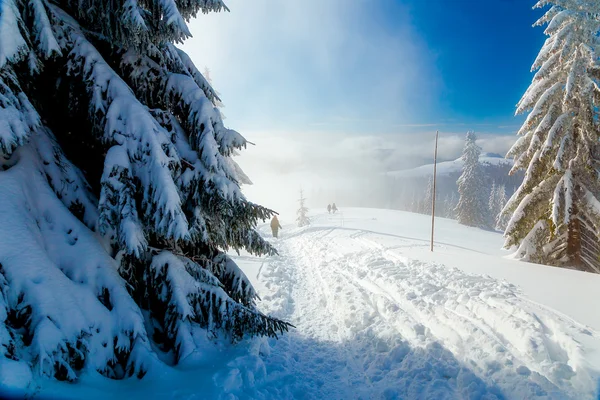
(375,322)
(378,316)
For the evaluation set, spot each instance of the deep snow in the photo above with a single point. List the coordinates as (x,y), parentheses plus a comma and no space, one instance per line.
(379,316)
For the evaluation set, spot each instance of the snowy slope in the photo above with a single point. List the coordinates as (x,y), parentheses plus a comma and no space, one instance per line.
(379,316)
(446,167)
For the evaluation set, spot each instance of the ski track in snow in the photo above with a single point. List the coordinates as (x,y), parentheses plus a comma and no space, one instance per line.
(372,323)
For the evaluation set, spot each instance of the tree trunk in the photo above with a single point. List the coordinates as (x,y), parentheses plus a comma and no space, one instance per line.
(574,239)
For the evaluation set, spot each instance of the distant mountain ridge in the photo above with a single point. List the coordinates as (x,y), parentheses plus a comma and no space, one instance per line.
(450,167)
(407,188)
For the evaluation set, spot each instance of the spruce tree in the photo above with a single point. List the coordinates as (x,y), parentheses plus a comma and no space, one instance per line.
(428,196)
(449,205)
(492,201)
(472,208)
(496,203)
(556,212)
(500,202)
(415,204)
(446,206)
(453,202)
(302,212)
(118,192)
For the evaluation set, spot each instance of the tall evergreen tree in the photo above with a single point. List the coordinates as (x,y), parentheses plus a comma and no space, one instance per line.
(556,212)
(302,212)
(472,208)
(118,193)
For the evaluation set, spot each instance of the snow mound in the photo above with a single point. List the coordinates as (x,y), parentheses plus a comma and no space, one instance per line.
(15,375)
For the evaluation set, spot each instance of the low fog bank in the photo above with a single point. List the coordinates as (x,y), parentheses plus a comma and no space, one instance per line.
(346,169)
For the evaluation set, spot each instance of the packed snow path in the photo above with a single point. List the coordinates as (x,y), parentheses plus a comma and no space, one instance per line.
(374,323)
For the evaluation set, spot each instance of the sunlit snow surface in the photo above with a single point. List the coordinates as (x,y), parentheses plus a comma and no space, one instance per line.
(379,316)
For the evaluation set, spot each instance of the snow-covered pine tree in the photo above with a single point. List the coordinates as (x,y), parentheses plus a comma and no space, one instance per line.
(449,205)
(472,208)
(445,206)
(492,204)
(302,212)
(496,202)
(556,212)
(453,202)
(415,203)
(500,202)
(118,193)
(428,196)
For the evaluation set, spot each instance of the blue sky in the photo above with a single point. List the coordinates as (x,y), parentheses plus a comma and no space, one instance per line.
(483,52)
(336,92)
(370,66)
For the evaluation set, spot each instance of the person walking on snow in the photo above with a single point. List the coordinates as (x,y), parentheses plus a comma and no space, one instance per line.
(333,208)
(275,226)
(328,208)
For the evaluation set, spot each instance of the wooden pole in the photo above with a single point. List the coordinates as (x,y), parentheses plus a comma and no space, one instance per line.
(433,195)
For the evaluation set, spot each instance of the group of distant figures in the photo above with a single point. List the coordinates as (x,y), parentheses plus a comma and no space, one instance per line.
(276,226)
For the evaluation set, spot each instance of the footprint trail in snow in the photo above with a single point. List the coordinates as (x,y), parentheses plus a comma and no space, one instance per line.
(374,323)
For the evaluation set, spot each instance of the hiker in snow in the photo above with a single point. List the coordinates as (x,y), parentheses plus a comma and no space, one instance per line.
(328,208)
(275,226)
(333,208)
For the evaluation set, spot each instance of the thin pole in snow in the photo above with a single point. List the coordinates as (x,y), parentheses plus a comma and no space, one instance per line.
(434,182)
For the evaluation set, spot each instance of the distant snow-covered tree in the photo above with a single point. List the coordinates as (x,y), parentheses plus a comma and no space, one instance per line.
(472,208)
(302,212)
(415,205)
(496,202)
(492,203)
(501,219)
(556,212)
(118,193)
(449,205)
(428,196)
